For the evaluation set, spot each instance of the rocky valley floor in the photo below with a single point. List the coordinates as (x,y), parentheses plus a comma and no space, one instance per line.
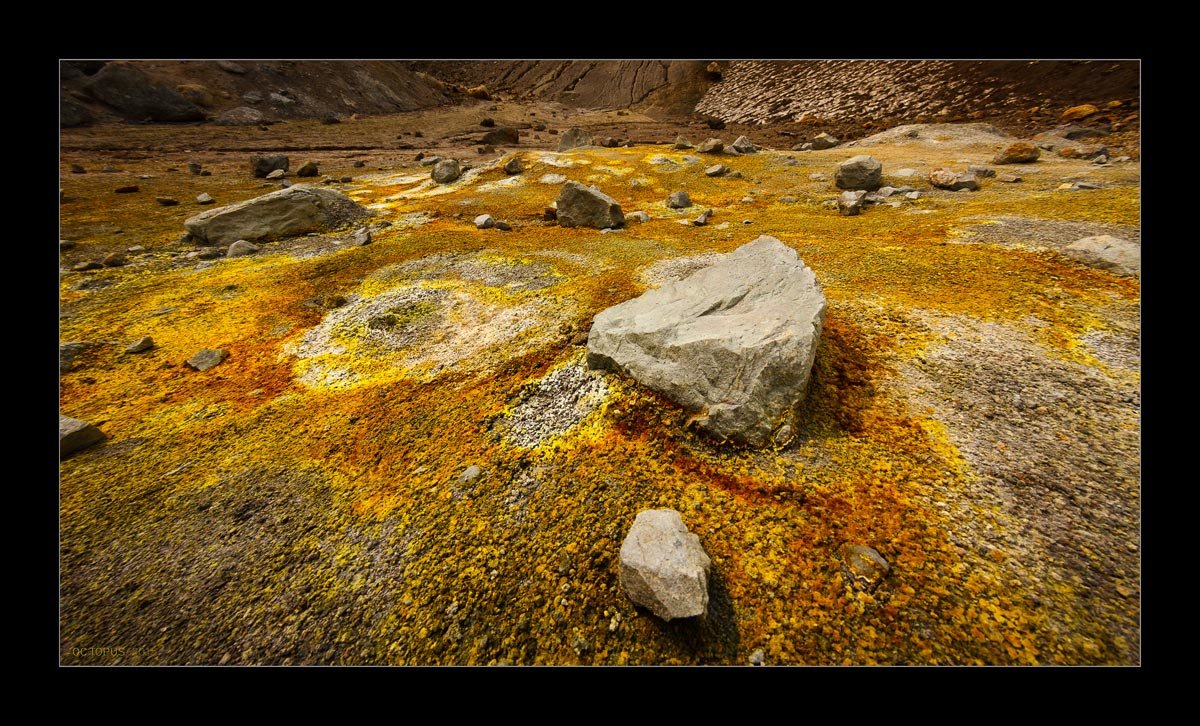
(974,413)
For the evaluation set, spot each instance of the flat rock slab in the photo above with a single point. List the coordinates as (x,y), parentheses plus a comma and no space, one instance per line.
(207,358)
(1107,253)
(292,211)
(663,566)
(733,343)
(74,434)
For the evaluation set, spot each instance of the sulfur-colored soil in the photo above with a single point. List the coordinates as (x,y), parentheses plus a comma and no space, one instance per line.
(974,417)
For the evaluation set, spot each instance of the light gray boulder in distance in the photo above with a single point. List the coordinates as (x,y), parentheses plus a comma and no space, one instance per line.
(580,206)
(824,141)
(679,200)
(851,203)
(712,146)
(859,172)
(733,343)
(574,138)
(446,171)
(74,434)
(1107,253)
(663,566)
(295,210)
(485,221)
(743,145)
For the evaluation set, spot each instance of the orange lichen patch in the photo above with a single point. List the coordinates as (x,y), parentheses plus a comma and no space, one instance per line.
(404,561)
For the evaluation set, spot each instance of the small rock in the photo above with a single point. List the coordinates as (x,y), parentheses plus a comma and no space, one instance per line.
(141,345)
(758,657)
(802,146)
(362,237)
(446,171)
(824,141)
(1019,152)
(850,203)
(277,174)
(480,92)
(471,473)
(427,160)
(207,358)
(262,166)
(716,170)
(703,218)
(574,138)
(88,265)
(714,123)
(580,206)
(206,172)
(130,189)
(859,172)
(549,214)
(484,221)
(504,226)
(788,200)
(513,166)
(1086,185)
(241,248)
(285,184)
(712,146)
(77,169)
(818,177)
(488,149)
(953,181)
(74,435)
(204,198)
(166,201)
(864,567)
(681,143)
(488,122)
(679,200)
(981,171)
(360,164)
(330,119)
(65,244)
(280,98)
(1008,178)
(308,169)
(195,168)
(742,145)
(663,566)
(1077,112)
(637,217)
(116,259)
(109,169)
(231,67)
(345,179)
(1100,160)
(912,195)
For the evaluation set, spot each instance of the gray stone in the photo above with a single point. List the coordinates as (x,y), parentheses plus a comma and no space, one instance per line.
(818,176)
(140,345)
(824,141)
(758,657)
(580,206)
(1008,178)
(489,149)
(262,166)
(712,146)
(128,189)
(77,169)
(362,237)
(859,172)
(308,169)
(231,67)
(574,138)
(446,171)
(863,567)
(285,184)
(67,352)
(295,210)
(1086,185)
(703,218)
(241,248)
(1107,253)
(87,265)
(953,181)
(429,160)
(503,136)
(716,170)
(1100,160)
(470,474)
(733,343)
(637,217)
(195,168)
(166,201)
(851,203)
(681,144)
(912,195)
(281,99)
(503,226)
(743,146)
(663,566)
(802,146)
(114,259)
(1018,152)
(207,358)
(66,244)
(74,435)
(679,200)
(981,171)
(484,221)
(204,198)
(360,164)
(513,166)
(906,173)
(240,116)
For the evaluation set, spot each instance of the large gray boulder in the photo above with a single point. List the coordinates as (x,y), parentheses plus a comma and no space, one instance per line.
(733,343)
(663,566)
(126,88)
(74,434)
(574,138)
(580,206)
(1107,253)
(859,172)
(295,210)
(446,171)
